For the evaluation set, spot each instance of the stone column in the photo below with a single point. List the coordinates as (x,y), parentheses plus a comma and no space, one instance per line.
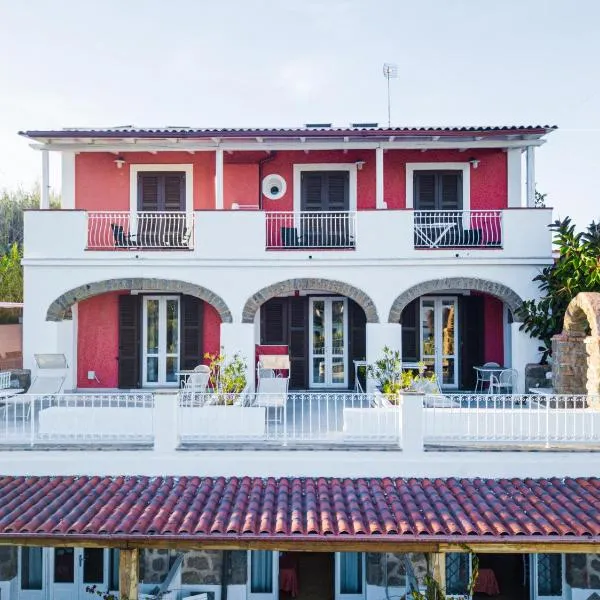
(569,360)
(592,348)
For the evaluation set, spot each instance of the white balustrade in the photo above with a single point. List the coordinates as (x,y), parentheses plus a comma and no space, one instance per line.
(458,228)
(287,419)
(316,230)
(29,419)
(108,230)
(488,420)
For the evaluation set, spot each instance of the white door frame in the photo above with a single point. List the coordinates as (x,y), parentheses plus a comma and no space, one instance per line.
(162,341)
(274,594)
(338,595)
(439,356)
(533,581)
(40,594)
(75,590)
(328,356)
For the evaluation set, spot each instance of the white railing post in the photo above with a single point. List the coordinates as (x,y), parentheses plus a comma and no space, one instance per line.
(412,424)
(165,421)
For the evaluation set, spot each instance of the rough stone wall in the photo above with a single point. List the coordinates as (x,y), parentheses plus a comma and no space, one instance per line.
(583,571)
(569,364)
(199,567)
(8,562)
(535,376)
(396,568)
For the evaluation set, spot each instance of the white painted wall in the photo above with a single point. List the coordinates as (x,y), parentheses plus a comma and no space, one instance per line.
(524,350)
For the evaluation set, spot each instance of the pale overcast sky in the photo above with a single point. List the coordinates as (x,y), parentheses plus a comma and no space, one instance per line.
(288,62)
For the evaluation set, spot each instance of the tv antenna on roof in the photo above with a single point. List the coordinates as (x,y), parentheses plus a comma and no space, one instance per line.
(390,71)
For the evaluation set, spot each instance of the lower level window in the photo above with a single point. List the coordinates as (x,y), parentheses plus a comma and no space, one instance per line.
(350,573)
(261,572)
(31,568)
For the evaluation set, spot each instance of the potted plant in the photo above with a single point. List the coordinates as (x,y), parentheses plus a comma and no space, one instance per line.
(227,377)
(393,381)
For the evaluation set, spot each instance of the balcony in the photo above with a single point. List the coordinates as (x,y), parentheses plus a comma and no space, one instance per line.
(259,235)
(140,230)
(310,230)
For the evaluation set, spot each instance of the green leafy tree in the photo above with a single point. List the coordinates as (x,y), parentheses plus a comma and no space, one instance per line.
(576,269)
(11,275)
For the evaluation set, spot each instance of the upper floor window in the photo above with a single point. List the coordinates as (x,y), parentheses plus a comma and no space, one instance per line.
(325,191)
(161,191)
(438,190)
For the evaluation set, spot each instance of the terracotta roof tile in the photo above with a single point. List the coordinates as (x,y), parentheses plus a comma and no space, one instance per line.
(286,508)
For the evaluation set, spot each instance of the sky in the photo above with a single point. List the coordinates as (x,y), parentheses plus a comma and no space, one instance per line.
(230,63)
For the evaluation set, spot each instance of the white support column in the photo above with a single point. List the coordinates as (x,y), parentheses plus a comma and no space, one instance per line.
(219,203)
(530,154)
(238,338)
(513,176)
(65,342)
(524,350)
(380,335)
(67,194)
(45,191)
(379,200)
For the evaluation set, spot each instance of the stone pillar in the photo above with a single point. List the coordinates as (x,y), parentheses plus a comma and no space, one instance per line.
(569,360)
(592,348)
(238,338)
(524,350)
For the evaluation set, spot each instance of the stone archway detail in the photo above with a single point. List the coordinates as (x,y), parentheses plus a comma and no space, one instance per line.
(60,309)
(500,291)
(324,285)
(575,354)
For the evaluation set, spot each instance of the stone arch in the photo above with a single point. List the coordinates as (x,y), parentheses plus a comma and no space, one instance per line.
(326,285)
(500,291)
(575,354)
(60,309)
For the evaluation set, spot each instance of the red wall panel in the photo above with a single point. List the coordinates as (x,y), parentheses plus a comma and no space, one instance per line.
(494,329)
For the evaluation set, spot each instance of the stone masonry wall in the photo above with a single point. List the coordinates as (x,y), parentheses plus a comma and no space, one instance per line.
(569,364)
(198,567)
(583,571)
(8,562)
(396,568)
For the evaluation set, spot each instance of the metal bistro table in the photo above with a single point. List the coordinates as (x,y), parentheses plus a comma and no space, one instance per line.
(484,375)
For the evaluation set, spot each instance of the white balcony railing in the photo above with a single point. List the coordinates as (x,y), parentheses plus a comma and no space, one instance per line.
(153,230)
(458,228)
(79,419)
(310,230)
(309,418)
(520,419)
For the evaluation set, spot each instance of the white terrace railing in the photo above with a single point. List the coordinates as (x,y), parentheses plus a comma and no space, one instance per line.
(458,228)
(110,230)
(77,419)
(311,230)
(296,418)
(488,420)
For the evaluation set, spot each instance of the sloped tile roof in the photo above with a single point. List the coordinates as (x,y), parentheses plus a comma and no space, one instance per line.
(292,508)
(131,131)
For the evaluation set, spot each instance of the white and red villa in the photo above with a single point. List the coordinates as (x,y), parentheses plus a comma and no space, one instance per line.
(326,244)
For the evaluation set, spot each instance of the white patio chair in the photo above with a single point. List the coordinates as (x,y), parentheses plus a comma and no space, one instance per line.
(5,390)
(505,382)
(272,388)
(433,395)
(483,376)
(194,388)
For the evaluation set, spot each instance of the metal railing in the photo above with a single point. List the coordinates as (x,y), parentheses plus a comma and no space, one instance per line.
(458,228)
(108,230)
(311,230)
(519,419)
(287,419)
(64,419)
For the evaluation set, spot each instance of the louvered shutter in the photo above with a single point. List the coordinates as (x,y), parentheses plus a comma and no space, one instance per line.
(174,192)
(357,322)
(149,191)
(336,194)
(129,341)
(410,332)
(192,320)
(470,339)
(298,341)
(312,191)
(450,191)
(273,322)
(424,190)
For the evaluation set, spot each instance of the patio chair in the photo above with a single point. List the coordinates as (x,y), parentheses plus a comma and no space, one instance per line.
(272,382)
(121,238)
(195,385)
(6,391)
(483,376)
(505,382)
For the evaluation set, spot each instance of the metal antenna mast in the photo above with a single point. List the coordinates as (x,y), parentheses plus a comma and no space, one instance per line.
(390,71)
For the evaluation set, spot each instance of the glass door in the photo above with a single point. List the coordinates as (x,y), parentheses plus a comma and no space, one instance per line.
(548,576)
(160,340)
(349,575)
(328,343)
(439,338)
(32,574)
(73,569)
(263,583)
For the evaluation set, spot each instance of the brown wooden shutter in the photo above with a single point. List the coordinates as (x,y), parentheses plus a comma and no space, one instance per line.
(298,342)
(149,192)
(357,322)
(192,331)
(312,191)
(409,320)
(450,191)
(337,196)
(438,190)
(129,341)
(470,338)
(273,322)
(174,192)
(424,190)
(161,191)
(325,190)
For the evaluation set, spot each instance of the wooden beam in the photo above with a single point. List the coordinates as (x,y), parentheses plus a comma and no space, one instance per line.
(129,572)
(438,563)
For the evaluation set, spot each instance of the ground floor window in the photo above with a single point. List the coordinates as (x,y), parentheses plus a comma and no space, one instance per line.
(32,568)
(261,572)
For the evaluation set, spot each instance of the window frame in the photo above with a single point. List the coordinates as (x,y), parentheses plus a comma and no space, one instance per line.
(465,167)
